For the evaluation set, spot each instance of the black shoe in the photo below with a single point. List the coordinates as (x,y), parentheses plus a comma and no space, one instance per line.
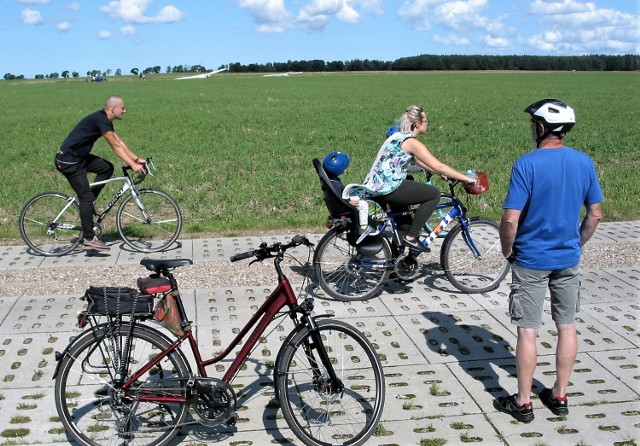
(508,405)
(559,406)
(415,245)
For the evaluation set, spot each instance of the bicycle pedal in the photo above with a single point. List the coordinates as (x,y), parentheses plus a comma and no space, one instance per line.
(232,421)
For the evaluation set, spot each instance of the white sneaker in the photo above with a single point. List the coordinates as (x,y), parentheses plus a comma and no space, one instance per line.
(367,232)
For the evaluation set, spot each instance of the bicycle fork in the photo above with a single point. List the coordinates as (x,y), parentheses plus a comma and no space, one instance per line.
(331,383)
(136,198)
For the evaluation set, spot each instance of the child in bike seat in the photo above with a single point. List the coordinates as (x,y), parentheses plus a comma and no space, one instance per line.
(335,163)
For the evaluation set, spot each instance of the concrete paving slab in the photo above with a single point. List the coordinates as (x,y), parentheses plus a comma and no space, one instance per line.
(621,317)
(460,336)
(18,257)
(421,391)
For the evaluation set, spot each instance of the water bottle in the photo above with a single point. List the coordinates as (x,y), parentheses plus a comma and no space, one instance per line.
(472,174)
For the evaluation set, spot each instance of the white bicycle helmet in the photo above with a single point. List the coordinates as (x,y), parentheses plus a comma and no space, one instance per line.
(556,117)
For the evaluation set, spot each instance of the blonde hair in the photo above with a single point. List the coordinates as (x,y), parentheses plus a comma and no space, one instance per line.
(408,120)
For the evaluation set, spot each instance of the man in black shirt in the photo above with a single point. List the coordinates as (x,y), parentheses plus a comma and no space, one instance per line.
(74,160)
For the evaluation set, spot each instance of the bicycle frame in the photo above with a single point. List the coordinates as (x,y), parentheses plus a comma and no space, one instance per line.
(281,297)
(127,186)
(457,211)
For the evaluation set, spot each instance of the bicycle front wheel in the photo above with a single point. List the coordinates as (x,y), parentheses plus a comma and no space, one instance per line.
(467,271)
(152,226)
(95,411)
(347,272)
(318,410)
(46,229)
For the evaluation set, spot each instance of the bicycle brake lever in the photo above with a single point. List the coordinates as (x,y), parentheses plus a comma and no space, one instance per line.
(149,165)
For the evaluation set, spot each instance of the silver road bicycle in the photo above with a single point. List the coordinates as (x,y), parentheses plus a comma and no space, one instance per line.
(148,220)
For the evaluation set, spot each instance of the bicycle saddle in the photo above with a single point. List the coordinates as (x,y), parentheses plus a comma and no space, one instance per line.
(156,265)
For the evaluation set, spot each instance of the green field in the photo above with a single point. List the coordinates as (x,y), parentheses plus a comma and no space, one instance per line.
(236,151)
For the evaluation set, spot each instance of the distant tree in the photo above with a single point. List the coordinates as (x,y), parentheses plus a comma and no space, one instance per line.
(134,71)
(54,76)
(168,69)
(108,72)
(118,72)
(75,74)
(8,76)
(65,74)
(335,66)
(39,76)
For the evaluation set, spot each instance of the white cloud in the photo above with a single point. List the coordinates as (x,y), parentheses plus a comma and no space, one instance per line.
(63,26)
(451,40)
(268,15)
(127,30)
(135,11)
(457,15)
(574,27)
(496,42)
(31,17)
(273,16)
(556,7)
(104,34)
(417,13)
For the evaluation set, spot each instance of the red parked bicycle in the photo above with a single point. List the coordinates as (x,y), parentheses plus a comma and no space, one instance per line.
(124,382)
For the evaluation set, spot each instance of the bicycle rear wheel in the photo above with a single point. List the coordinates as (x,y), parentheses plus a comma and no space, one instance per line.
(318,410)
(344,273)
(153,227)
(97,413)
(468,272)
(48,231)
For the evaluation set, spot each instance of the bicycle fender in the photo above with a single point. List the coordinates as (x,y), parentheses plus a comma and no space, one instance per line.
(89,331)
(64,353)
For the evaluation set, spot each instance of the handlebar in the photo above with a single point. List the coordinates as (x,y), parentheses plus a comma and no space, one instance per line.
(148,166)
(269,251)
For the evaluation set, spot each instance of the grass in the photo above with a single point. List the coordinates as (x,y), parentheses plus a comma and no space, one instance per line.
(235,151)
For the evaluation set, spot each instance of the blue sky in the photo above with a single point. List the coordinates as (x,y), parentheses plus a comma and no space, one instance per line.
(45,36)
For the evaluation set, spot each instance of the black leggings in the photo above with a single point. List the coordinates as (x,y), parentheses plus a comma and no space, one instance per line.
(409,193)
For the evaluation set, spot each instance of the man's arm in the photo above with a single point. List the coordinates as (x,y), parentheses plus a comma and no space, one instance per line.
(590,222)
(508,229)
(123,151)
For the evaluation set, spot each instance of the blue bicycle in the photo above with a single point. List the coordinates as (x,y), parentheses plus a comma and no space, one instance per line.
(470,256)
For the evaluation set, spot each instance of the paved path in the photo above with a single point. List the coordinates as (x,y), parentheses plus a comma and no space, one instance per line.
(446,355)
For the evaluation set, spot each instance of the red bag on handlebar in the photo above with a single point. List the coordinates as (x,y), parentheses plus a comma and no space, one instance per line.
(479,187)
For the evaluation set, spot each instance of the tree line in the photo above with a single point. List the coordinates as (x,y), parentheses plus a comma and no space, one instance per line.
(429,62)
(424,62)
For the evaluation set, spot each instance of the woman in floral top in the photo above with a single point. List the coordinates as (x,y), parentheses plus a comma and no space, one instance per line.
(387,181)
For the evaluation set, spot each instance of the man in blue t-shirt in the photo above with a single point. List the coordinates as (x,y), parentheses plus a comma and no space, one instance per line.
(542,237)
(74,160)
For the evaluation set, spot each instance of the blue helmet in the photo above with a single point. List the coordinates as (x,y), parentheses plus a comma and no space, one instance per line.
(392,130)
(336,163)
